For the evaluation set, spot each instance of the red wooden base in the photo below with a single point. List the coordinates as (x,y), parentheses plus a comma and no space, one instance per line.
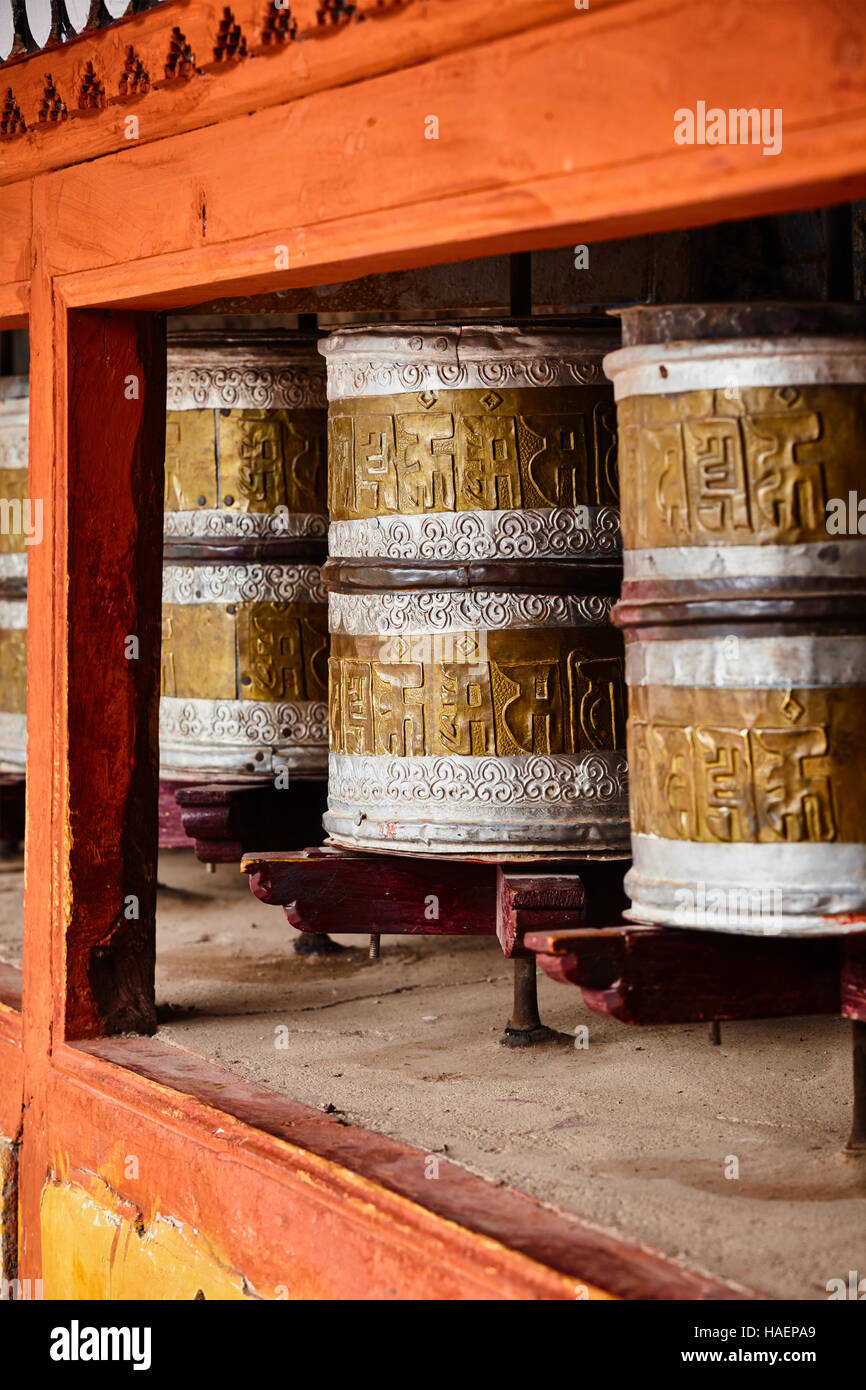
(226,820)
(328,889)
(171,832)
(649,975)
(336,890)
(664,975)
(223,820)
(552,917)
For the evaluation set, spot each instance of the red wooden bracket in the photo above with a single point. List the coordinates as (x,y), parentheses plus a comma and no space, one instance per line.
(334,890)
(225,821)
(663,975)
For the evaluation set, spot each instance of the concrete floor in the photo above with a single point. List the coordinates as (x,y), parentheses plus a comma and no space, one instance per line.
(635,1133)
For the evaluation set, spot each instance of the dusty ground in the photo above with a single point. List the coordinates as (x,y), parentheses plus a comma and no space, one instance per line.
(635,1132)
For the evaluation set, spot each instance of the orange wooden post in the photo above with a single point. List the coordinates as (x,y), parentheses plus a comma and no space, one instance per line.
(97,439)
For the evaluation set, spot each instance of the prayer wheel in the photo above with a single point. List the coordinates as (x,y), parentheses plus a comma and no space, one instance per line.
(245,642)
(741,438)
(20,521)
(476,684)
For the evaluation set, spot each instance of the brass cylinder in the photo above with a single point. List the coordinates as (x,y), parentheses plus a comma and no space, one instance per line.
(476,685)
(16,518)
(742,429)
(245,642)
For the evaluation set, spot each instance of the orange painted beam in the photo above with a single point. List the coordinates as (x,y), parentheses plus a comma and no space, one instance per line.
(115,446)
(14,304)
(11,1056)
(361,189)
(12,1088)
(94,588)
(578,145)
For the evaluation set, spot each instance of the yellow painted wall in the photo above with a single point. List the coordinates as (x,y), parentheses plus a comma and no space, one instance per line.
(95,1245)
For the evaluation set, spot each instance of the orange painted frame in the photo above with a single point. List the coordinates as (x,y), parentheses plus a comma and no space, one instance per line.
(549,132)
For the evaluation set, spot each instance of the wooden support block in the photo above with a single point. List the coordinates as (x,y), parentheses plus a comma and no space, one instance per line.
(662,975)
(534,903)
(591,957)
(331,890)
(171,832)
(225,822)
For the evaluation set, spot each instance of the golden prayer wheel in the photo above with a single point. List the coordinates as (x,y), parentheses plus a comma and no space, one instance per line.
(20,523)
(476,684)
(742,430)
(245,641)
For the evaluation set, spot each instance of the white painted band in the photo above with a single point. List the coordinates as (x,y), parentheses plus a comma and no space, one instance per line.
(838,555)
(665,369)
(748,663)
(790,864)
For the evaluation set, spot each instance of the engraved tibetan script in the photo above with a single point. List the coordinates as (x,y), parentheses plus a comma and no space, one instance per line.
(508,706)
(245,460)
(741,467)
(282,649)
(713,782)
(471,450)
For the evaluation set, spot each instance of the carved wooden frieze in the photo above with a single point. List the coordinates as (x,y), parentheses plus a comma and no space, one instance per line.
(92,55)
